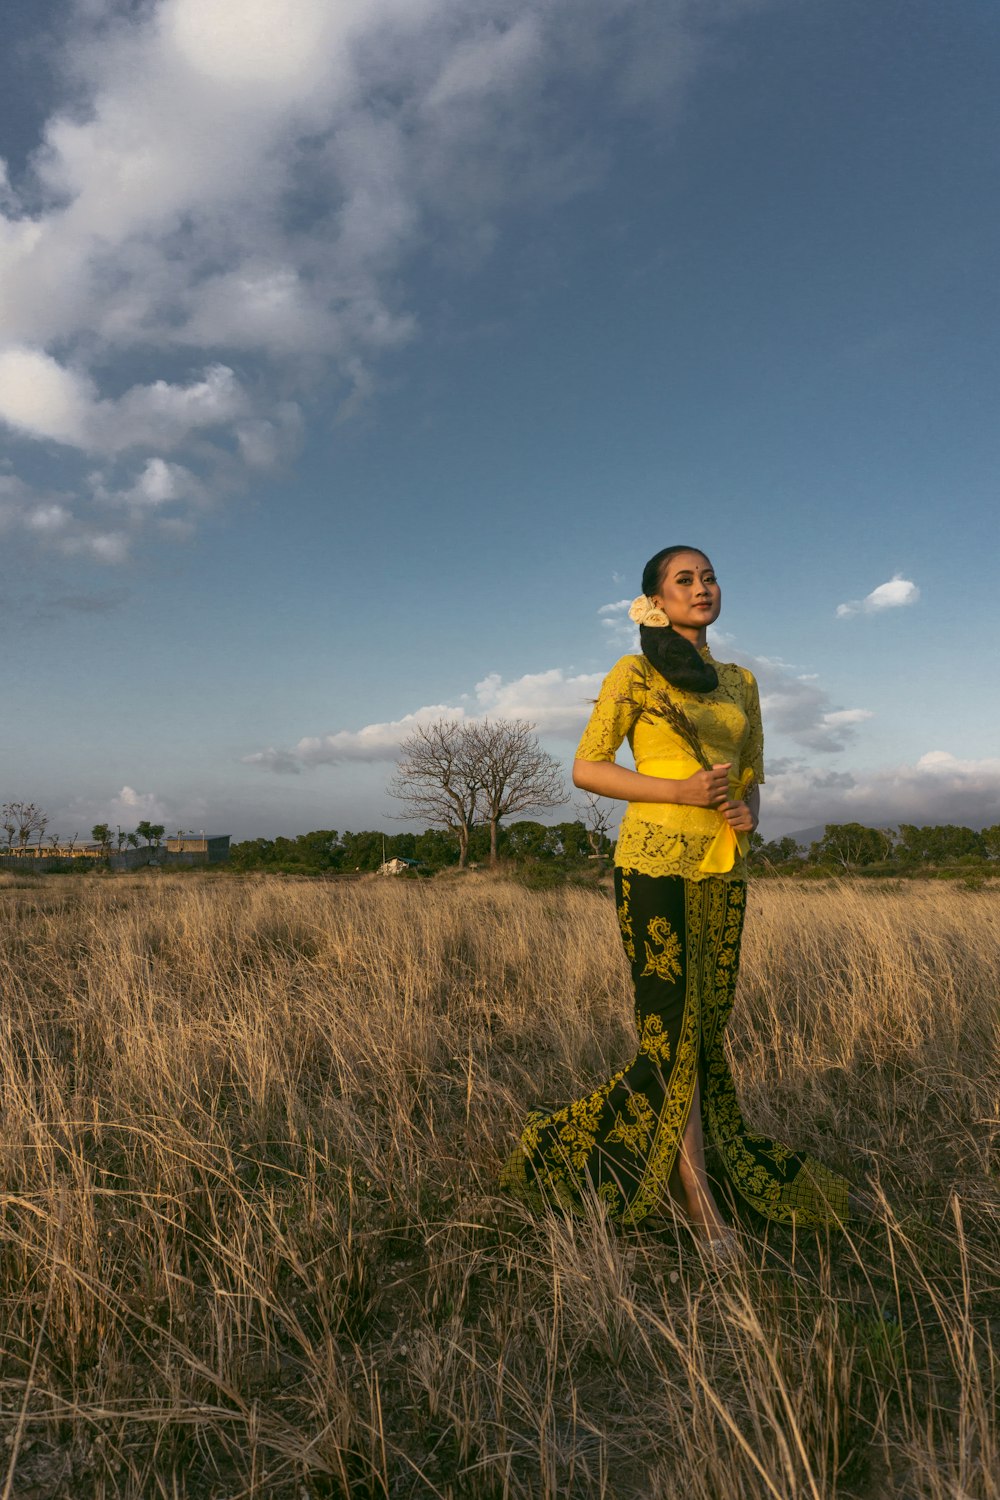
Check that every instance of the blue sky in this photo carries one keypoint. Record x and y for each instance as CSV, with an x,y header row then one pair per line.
x,y
354,357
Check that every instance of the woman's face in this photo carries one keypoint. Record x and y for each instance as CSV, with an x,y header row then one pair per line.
x,y
689,592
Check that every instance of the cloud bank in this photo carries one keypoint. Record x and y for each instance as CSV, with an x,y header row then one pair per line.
x,y
227,198
558,704
937,788
794,704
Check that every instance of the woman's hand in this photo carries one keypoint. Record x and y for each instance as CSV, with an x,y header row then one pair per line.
x,y
706,788
738,816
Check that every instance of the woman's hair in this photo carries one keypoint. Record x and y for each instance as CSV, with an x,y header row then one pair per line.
x,y
652,573
671,654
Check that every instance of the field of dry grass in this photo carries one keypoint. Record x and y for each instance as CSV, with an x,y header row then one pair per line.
x,y
251,1244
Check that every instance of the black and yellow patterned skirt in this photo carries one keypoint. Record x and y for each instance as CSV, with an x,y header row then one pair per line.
x,y
620,1143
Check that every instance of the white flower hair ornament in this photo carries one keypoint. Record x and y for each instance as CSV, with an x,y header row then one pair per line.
x,y
644,612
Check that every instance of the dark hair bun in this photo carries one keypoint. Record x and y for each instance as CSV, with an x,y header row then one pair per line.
x,y
677,660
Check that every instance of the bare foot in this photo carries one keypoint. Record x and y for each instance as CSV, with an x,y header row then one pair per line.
x,y
702,1209
696,1210
711,1226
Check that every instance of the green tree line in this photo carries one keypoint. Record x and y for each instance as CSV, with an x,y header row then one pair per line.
x,y
844,846
327,850
853,846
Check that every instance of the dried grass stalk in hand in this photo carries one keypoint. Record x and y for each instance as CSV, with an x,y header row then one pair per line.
x,y
663,705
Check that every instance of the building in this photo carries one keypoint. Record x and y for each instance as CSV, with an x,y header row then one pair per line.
x,y
203,848
182,849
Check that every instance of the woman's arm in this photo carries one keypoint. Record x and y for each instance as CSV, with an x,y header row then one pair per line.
x,y
703,789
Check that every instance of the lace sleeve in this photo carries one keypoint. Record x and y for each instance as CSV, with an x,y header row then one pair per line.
x,y
618,705
753,750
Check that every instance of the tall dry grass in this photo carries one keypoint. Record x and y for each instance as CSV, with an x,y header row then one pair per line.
x,y
251,1244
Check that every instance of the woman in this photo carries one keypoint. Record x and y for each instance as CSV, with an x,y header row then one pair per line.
x,y
694,728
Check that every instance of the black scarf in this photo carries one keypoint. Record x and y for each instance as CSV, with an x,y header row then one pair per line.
x,y
677,660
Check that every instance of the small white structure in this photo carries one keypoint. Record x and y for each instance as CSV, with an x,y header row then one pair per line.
x,y
397,866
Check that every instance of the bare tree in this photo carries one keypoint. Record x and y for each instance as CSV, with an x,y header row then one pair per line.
x,y
20,821
437,778
597,815
516,774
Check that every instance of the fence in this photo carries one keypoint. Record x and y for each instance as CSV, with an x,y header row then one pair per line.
x,y
124,859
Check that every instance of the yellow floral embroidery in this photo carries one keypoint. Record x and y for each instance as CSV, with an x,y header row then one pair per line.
x,y
673,1117
667,962
797,1187
579,1133
635,1134
625,921
611,1198
653,1040
560,1159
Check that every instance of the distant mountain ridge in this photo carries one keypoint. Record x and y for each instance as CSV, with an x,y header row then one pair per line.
x,y
807,836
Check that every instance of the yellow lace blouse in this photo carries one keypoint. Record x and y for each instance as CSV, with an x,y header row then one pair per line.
x,y
661,838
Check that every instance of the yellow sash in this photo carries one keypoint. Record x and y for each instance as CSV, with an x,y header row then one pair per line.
x,y
720,856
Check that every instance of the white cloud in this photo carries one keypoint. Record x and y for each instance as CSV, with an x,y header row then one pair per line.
x,y
557,704
621,631
793,704
841,716
158,483
554,702
373,742
131,807
228,196
122,810
41,398
897,592
938,788
262,45
47,518
53,518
